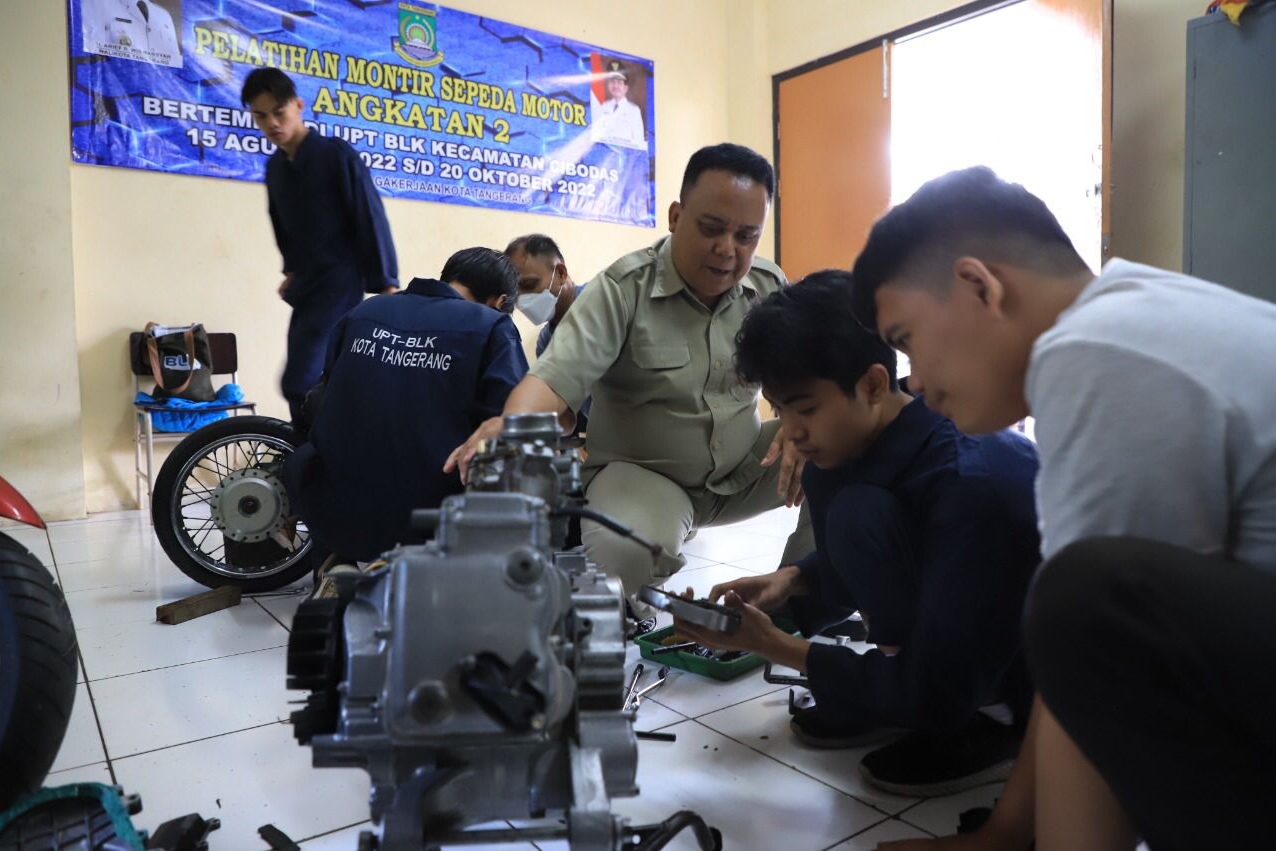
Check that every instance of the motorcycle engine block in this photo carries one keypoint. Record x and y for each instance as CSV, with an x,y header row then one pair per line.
x,y
480,676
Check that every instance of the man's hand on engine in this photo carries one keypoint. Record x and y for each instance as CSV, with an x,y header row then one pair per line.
x,y
463,454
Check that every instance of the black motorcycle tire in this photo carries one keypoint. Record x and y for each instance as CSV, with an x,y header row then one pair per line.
x,y
167,510
38,664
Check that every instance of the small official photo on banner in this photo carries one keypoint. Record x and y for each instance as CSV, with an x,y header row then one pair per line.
x,y
441,105
137,30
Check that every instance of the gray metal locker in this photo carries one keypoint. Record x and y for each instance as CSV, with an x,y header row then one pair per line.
x,y
1229,228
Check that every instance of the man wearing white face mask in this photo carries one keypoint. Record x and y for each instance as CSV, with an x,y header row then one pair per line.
x,y
545,292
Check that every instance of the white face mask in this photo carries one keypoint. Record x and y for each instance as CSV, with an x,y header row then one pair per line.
x,y
539,307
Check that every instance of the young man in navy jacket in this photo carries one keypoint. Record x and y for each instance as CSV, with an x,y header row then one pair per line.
x,y
931,535
409,376
329,224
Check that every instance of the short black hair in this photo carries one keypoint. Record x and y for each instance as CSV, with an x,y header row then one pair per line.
x,y
806,332
535,245
267,80
486,272
971,211
736,159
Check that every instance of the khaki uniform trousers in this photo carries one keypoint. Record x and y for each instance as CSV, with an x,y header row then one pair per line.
x,y
660,510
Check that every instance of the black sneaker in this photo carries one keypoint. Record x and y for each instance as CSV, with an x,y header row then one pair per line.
x,y
818,730
925,764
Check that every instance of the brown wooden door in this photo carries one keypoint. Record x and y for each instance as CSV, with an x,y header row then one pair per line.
x,y
834,162
834,138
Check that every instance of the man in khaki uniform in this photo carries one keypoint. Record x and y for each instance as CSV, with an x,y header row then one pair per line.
x,y
675,441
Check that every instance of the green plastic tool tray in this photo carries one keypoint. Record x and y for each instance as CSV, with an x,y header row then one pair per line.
x,y
695,664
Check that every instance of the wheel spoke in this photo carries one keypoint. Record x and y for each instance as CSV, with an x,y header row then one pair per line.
x,y
202,537
203,491
204,528
202,478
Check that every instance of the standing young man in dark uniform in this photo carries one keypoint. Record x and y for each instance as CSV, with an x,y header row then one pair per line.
x,y
408,377
329,225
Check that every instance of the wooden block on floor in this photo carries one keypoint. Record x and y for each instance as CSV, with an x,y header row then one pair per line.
x,y
199,605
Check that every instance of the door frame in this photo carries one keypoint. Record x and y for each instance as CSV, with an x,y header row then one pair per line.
x,y
968,10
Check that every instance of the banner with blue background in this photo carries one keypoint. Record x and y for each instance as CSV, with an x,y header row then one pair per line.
x,y
441,105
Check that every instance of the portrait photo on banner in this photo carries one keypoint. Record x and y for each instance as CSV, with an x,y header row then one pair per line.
x,y
618,101
140,30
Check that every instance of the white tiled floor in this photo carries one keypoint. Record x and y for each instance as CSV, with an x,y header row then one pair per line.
x,y
193,717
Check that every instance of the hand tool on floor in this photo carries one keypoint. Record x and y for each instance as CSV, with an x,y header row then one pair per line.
x,y
661,676
633,684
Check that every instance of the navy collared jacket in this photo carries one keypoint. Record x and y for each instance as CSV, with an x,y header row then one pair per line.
x,y
969,538
409,377
329,222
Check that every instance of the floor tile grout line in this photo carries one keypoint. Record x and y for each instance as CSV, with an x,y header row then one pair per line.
x,y
97,720
52,775
79,658
915,826
185,664
914,806
100,517
681,718
720,708
273,616
57,573
331,832
842,792
778,761
275,723
872,826
896,817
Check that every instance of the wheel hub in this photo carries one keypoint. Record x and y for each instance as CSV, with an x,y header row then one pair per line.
x,y
249,505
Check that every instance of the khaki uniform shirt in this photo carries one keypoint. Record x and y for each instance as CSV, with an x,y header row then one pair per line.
x,y
661,369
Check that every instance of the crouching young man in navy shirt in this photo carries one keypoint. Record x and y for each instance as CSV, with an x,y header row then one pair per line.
x,y
930,534
409,376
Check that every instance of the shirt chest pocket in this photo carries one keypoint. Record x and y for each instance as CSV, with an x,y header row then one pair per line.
x,y
659,373
649,357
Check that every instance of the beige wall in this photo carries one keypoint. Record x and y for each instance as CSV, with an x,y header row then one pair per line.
x,y
799,32
89,254
40,433
748,101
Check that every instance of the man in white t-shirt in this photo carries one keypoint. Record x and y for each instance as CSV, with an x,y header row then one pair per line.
x,y
1148,629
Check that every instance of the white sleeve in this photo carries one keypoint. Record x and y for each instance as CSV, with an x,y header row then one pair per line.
x,y
1129,446
633,130
92,24
172,40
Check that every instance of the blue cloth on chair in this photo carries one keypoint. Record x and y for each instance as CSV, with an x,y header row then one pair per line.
x,y
173,414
